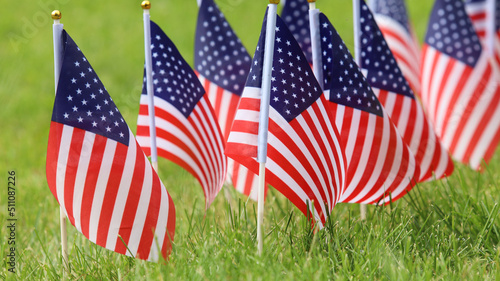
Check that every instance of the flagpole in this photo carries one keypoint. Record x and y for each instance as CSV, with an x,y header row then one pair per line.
x,y
264,115
146,5
315,42
490,26
57,29
357,58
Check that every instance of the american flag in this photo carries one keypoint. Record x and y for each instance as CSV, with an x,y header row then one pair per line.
x,y
305,161
478,13
392,19
97,171
394,93
295,14
459,87
222,64
186,127
380,166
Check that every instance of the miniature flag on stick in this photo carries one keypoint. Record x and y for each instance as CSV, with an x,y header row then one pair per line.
x,y
397,98
459,85
296,17
222,64
380,166
97,171
186,127
393,21
304,159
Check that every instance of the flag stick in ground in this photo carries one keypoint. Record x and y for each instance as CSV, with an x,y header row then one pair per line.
x,y
357,58
57,29
315,41
264,114
146,5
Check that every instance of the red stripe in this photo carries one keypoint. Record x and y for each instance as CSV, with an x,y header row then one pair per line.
x,y
71,170
91,181
467,112
455,96
231,112
53,147
166,249
112,186
148,232
450,65
249,104
132,202
480,129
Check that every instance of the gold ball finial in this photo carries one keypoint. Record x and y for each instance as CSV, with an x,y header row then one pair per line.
x,y
56,15
146,5
274,2
311,1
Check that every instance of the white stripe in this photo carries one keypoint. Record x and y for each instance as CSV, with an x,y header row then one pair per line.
x,y
247,115
283,149
161,224
404,114
141,213
486,138
450,83
242,138
426,78
122,193
448,93
226,98
474,119
81,175
292,184
62,163
463,101
431,141
100,190
404,183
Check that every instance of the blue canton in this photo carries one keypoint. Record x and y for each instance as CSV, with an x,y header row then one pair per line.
x,y
342,76
293,85
451,32
295,13
395,9
173,79
219,54
376,57
82,101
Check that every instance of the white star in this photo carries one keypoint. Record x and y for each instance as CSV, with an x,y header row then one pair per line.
x,y
121,135
108,129
92,96
103,118
106,101
78,91
116,124
84,102
94,124
66,115
70,98
77,64
89,113
73,80
75,109
98,107
82,74
80,119
87,85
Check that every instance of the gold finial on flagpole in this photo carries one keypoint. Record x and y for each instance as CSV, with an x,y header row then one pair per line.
x,y
311,1
146,5
274,1
56,15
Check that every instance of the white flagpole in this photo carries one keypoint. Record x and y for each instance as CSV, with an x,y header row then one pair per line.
x,y
146,5
357,58
57,30
490,26
315,42
264,114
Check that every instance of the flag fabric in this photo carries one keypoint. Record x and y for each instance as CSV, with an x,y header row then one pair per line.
x,y
305,161
295,14
222,64
98,172
380,166
186,127
392,19
459,87
394,93
477,11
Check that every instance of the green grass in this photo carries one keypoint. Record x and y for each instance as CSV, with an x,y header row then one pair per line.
x,y
446,230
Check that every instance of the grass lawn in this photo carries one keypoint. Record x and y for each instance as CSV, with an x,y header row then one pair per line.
x,y
444,230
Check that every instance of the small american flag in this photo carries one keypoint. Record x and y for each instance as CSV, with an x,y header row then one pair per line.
x,y
392,18
305,161
380,165
393,91
295,14
187,130
459,86
478,13
222,64
97,171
